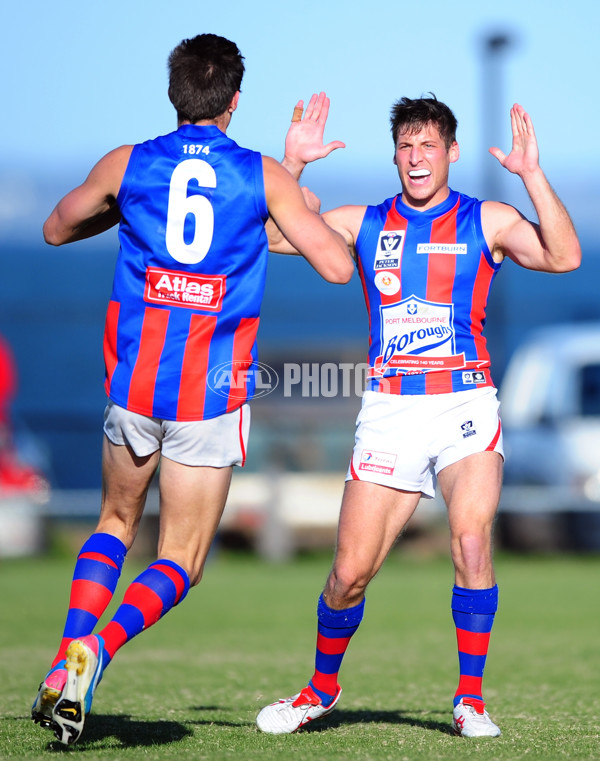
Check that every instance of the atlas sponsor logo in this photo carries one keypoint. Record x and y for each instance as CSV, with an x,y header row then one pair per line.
x,y
184,289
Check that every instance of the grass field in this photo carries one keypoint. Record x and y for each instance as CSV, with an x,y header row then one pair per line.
x,y
191,686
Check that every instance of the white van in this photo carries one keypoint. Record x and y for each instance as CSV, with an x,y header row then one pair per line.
x,y
550,413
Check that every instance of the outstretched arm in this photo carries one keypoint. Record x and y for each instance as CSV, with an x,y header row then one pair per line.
x,y
90,208
303,229
550,246
304,139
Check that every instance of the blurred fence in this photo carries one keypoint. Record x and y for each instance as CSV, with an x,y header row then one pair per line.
x,y
278,514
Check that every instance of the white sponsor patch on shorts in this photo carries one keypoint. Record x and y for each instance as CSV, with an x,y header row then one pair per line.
x,y
377,462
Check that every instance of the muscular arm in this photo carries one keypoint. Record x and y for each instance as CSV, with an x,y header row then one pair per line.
x,y
90,208
550,246
303,229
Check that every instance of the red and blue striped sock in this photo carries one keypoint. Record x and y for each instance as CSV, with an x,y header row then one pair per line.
x,y
95,579
152,594
335,630
473,611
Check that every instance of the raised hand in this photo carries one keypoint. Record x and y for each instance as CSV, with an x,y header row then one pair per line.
x,y
304,140
524,155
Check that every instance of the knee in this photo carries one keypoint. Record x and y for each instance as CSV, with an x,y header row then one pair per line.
x,y
345,587
471,551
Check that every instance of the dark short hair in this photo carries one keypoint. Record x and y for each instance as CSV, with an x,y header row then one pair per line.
x,y
205,72
410,115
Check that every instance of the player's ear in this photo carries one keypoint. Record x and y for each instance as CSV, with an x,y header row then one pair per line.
x,y
234,102
454,152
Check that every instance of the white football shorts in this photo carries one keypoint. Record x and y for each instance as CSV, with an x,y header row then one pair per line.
x,y
217,443
404,441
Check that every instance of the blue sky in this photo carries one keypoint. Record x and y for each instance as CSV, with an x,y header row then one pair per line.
x,y
80,78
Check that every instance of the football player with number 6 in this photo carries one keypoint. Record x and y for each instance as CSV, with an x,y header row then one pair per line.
x,y
183,316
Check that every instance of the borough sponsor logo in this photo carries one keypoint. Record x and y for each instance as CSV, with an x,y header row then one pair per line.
x,y
418,335
184,289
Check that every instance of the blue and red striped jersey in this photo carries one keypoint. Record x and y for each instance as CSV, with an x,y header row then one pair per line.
x,y
180,335
426,277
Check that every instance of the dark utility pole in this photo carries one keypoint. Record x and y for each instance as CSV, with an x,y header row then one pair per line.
x,y
496,132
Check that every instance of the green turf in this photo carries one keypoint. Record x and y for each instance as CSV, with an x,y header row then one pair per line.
x,y
191,686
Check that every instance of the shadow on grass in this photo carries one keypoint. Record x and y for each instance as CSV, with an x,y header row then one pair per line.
x,y
126,733
132,734
342,717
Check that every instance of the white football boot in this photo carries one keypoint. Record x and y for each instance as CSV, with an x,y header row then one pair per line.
x,y
85,664
289,714
470,719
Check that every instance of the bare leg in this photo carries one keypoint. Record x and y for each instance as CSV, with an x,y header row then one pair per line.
x,y
371,519
192,500
126,479
471,490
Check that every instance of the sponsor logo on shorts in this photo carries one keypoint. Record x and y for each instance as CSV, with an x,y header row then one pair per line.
x,y
184,289
441,248
387,282
377,462
468,429
474,377
389,249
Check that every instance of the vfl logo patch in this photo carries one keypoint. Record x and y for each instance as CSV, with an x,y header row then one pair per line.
x,y
473,377
183,289
389,249
467,429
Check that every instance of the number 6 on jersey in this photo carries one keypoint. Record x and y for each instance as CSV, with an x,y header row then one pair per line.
x,y
181,205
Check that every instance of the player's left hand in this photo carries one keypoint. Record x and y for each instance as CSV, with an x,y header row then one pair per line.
x,y
524,155
304,140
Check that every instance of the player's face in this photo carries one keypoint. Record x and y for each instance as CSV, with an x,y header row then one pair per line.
x,y
423,163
